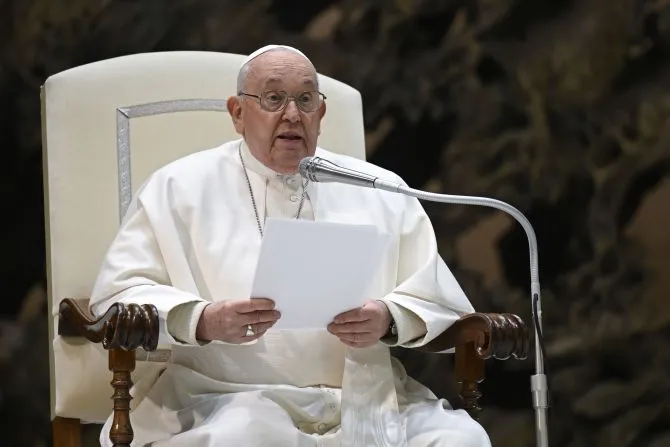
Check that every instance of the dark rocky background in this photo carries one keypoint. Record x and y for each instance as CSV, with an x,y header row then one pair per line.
x,y
559,107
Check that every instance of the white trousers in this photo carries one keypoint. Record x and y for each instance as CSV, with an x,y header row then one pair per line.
x,y
178,414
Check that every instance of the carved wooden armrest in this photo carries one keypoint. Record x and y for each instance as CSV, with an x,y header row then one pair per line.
x,y
477,337
126,327
121,330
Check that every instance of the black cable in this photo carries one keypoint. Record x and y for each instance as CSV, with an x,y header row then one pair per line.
x,y
540,338
538,329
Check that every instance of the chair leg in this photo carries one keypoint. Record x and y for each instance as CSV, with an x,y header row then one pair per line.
x,y
469,372
122,364
66,432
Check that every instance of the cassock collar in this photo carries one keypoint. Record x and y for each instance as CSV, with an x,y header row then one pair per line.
x,y
254,165
258,168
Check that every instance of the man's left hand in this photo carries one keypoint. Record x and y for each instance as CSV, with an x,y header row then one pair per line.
x,y
362,327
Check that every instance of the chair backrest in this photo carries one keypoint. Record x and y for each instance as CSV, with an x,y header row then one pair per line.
x,y
106,127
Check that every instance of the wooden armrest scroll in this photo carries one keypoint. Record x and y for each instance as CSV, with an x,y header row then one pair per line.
x,y
124,327
121,330
500,336
477,337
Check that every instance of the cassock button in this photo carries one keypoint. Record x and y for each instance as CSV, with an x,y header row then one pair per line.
x,y
294,198
292,182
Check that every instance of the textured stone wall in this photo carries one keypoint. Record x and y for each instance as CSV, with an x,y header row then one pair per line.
x,y
558,107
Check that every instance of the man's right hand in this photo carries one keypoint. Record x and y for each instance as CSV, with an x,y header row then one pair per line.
x,y
227,321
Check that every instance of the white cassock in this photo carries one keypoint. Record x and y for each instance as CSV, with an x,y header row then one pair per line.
x,y
191,237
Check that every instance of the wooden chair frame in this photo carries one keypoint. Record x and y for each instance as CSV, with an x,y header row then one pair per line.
x,y
122,329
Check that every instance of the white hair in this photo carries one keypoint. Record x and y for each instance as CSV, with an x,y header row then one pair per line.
x,y
246,65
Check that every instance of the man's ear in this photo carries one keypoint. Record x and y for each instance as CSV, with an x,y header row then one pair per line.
x,y
234,105
322,112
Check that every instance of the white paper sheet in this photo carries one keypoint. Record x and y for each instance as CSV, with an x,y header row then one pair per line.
x,y
316,270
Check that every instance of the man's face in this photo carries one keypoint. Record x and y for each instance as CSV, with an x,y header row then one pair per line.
x,y
282,138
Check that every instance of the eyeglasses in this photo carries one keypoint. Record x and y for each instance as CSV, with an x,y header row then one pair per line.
x,y
273,101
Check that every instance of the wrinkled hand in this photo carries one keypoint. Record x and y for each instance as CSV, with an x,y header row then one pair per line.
x,y
227,320
362,327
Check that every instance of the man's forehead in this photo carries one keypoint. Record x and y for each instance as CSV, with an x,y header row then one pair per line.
x,y
267,72
306,80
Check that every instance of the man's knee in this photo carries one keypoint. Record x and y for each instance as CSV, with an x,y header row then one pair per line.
x,y
472,435
248,432
476,435
469,434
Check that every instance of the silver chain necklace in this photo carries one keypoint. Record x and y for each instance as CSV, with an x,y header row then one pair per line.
x,y
253,199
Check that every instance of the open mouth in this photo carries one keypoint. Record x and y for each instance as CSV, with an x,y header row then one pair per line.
x,y
289,136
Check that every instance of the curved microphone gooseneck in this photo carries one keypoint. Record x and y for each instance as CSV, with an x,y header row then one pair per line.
x,y
317,169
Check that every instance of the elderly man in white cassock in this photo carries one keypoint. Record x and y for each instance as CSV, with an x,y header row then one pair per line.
x,y
189,244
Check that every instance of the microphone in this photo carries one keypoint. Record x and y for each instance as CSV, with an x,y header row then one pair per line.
x,y
317,169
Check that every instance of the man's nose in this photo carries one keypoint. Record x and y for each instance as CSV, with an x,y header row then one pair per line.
x,y
291,112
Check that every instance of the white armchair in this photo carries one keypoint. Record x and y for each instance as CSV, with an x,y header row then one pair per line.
x,y
106,127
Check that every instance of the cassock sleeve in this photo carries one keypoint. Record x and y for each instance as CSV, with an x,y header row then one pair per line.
x,y
427,298
134,271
